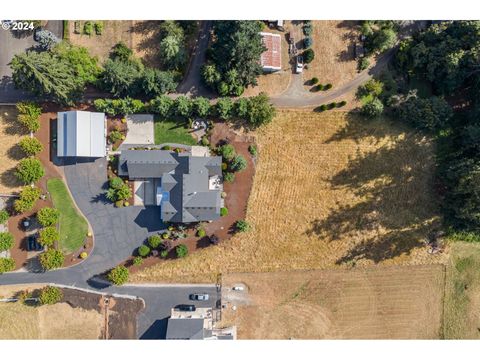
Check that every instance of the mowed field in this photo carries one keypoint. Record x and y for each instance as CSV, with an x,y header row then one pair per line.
x,y
399,302
59,321
331,190
10,134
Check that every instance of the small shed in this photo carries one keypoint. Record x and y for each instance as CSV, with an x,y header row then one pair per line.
x,y
81,134
271,58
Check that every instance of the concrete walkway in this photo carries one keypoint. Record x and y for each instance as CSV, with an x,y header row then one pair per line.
x,y
140,130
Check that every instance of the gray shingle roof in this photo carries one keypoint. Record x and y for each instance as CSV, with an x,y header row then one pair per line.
x,y
186,329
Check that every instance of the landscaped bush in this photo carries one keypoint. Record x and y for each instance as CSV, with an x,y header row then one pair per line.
x,y
242,226
48,236
223,211
224,108
88,28
181,250
164,254
307,29
143,250
6,241
124,192
308,56
314,81
4,216
28,197
154,241
137,260
115,136
331,106
252,149
238,163
204,141
241,107
6,264
50,295
183,106
51,259
307,42
119,275
166,147
201,106
227,151
229,177
201,232
29,114
162,105
30,146
327,87
341,103
116,182
98,27
29,170
48,216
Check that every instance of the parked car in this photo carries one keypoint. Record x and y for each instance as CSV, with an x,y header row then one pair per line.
x,y
299,65
199,297
238,288
185,307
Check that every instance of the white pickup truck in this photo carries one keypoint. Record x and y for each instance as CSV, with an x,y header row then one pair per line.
x,y
299,65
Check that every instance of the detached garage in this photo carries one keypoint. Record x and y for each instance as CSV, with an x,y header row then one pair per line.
x,y
81,134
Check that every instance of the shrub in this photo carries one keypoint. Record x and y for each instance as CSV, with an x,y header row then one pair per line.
x,y
88,28
341,103
98,27
201,106
4,216
6,241
238,163
314,81
50,295
51,259
143,250
121,52
48,236
46,39
307,42
363,64
331,105
30,146
227,151
115,136
307,29
223,211
327,87
308,56
116,183
48,216
201,232
260,110
181,250
28,197
137,260
154,241
372,109
229,177
322,107
124,192
83,255
241,107
214,240
119,275
164,254
183,106
165,235
205,141
224,108
242,226
166,147
119,203
29,114
29,170
6,264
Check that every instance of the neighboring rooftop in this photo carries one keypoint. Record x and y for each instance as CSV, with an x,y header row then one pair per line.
x,y
187,329
81,134
271,59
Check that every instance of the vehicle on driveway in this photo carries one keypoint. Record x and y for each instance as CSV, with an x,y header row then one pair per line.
x,y
185,307
299,65
199,297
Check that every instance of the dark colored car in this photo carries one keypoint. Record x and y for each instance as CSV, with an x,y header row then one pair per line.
x,y
185,307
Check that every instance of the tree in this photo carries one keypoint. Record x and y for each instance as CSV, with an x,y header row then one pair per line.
x,y
229,177
6,241
372,87
382,39
155,82
238,163
46,75
48,236
242,226
50,295
6,264
46,39
210,75
4,216
29,170
308,56
161,105
143,250
154,241
85,66
181,250
241,107
30,146
227,151
431,114
260,111
116,182
173,51
372,109
121,78
183,106
51,259
119,275
28,196
121,52
48,216
29,114
201,106
224,108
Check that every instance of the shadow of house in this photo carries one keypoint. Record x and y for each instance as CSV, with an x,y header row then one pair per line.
x,y
394,185
150,219
158,330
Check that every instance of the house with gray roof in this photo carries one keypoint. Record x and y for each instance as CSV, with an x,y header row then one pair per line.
x,y
187,188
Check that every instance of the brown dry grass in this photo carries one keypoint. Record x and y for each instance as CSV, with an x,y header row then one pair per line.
x,y
378,303
10,134
59,321
333,45
330,190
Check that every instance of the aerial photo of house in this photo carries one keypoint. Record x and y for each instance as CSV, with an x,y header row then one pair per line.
x,y
239,179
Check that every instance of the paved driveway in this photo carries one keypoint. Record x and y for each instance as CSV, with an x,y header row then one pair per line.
x,y
140,130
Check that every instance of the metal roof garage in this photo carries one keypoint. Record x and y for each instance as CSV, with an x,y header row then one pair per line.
x,y
81,134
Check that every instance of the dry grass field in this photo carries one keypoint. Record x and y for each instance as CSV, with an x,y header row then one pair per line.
x,y
59,321
334,61
399,302
10,134
462,293
331,190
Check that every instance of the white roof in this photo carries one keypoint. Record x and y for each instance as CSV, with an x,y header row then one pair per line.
x,y
81,134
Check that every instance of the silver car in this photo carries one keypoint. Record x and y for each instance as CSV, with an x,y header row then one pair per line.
x,y
199,297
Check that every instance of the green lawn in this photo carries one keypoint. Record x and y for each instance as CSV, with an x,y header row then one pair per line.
x,y
171,131
73,227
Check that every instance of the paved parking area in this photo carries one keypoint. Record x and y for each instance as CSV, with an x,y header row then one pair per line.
x,y
140,130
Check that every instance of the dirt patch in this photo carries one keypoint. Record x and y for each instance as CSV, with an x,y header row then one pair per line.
x,y
379,303
330,190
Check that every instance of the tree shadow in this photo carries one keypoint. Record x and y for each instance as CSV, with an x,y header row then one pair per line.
x,y
393,205
150,43
15,152
9,179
